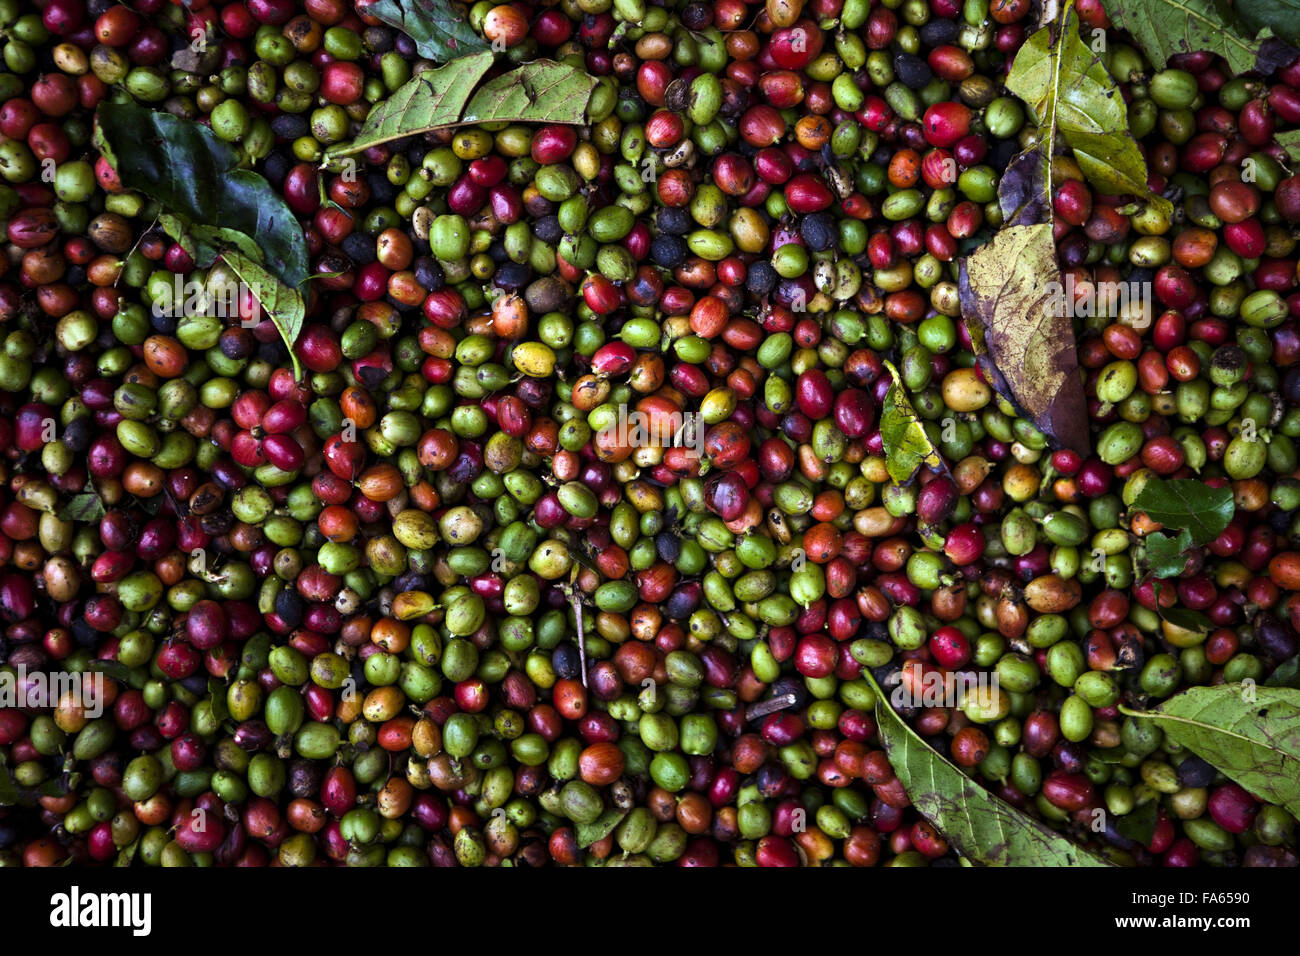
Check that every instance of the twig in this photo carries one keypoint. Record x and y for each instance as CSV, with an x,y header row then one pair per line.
x,y
575,599
139,240
582,642
780,702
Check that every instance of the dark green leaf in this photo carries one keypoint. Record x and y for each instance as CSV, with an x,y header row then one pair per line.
x,y
1166,557
8,792
971,243
1110,755
217,699
57,787
1250,733
1285,674
440,29
603,826
429,100
1068,88
1185,618
582,558
282,303
1165,27
1280,16
196,177
983,829
114,669
1182,617
86,506
1186,503
907,446
1140,825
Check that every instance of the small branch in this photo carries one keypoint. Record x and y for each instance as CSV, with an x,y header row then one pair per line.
x,y
780,702
575,600
582,641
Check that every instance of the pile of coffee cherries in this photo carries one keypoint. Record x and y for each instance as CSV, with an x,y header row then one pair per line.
x,y
576,540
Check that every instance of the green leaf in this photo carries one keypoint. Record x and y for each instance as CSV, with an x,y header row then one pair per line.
x,y
86,506
196,177
1290,141
981,828
1250,733
114,669
1165,27
1166,557
1185,618
179,232
539,92
1280,16
907,446
205,243
1068,88
1013,299
542,91
1285,674
440,29
603,826
219,239
127,854
1187,504
57,787
429,100
282,303
582,558
1140,825
217,699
